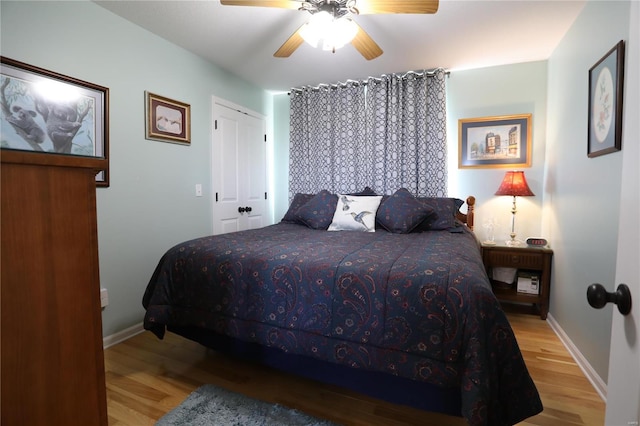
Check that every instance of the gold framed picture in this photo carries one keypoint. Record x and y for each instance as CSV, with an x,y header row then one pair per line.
x,y
494,142
167,120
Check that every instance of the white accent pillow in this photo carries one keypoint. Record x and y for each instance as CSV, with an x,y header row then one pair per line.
x,y
355,213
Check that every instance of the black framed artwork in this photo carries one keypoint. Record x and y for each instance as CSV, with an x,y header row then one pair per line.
x,y
606,85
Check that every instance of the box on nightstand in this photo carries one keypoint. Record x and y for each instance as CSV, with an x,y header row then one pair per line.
x,y
504,277
528,282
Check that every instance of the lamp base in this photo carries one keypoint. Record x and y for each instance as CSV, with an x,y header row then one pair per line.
x,y
513,241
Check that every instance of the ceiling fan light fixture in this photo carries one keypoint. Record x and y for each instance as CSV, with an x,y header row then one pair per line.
x,y
327,32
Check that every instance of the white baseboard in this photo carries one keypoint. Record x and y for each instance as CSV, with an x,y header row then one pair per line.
x,y
599,385
121,336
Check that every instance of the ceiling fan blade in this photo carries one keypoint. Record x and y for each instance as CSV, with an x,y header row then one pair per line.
x,y
365,45
396,6
284,4
289,46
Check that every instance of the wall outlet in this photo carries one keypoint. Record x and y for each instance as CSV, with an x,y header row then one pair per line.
x,y
104,297
198,190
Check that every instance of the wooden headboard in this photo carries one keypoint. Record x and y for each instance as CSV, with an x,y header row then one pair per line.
x,y
468,217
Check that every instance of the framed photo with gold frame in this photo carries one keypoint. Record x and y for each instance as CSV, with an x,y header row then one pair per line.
x,y
167,120
493,142
606,85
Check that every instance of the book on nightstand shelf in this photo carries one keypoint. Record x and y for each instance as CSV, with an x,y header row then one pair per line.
x,y
528,282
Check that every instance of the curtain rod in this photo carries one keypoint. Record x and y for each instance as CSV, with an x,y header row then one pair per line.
x,y
426,73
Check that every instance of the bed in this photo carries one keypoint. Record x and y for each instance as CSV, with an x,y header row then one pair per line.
x,y
403,312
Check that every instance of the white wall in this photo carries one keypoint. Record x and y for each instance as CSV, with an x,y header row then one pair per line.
x,y
151,204
498,91
281,155
582,194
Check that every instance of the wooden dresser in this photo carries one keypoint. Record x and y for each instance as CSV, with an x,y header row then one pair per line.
x,y
52,361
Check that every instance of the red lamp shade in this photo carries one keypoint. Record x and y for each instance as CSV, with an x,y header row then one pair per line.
x,y
514,184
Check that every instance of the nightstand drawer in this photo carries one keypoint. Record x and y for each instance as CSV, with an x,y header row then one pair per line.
x,y
516,259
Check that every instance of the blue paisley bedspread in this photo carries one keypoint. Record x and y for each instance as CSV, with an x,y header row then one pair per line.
x,y
415,305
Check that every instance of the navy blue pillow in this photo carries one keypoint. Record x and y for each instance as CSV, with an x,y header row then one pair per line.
x,y
365,191
317,213
402,212
445,213
299,200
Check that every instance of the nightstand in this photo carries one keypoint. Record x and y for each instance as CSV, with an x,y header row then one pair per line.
x,y
526,259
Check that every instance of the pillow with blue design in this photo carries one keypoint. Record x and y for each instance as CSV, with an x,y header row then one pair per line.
x,y
355,213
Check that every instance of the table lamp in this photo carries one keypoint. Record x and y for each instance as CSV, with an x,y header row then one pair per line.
x,y
515,185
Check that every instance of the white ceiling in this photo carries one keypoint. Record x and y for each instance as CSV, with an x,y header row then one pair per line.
x,y
461,35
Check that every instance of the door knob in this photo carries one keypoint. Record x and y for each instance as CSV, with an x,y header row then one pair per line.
x,y
247,209
598,296
241,209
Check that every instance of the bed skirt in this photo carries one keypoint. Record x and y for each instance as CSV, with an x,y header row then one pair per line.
x,y
393,389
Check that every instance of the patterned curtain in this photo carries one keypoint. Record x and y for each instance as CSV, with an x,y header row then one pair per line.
x,y
327,131
385,133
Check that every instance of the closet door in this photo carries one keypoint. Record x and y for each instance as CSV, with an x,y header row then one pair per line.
x,y
239,170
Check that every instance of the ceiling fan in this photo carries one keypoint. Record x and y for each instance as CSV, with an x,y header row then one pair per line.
x,y
331,25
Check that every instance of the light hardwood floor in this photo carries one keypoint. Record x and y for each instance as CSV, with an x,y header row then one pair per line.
x,y
147,377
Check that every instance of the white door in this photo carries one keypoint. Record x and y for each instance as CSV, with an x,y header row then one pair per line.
x,y
623,386
238,169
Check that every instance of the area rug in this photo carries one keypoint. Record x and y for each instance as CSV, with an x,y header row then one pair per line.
x,y
211,405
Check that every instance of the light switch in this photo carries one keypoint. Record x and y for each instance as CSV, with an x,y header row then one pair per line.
x,y
198,190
